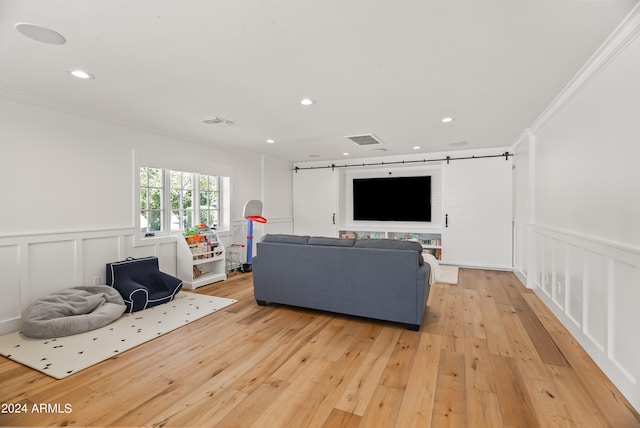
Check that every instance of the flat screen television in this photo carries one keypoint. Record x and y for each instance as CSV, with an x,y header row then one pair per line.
x,y
392,199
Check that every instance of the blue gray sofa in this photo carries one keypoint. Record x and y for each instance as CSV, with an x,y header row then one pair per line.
x,y
383,279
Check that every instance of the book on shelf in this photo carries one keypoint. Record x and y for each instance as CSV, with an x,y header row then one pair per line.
x,y
435,252
204,245
197,273
434,242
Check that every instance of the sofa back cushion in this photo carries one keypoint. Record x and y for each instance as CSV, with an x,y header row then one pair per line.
x,y
391,244
285,239
331,242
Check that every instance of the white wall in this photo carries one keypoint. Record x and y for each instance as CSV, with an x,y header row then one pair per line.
x,y
277,195
67,185
578,208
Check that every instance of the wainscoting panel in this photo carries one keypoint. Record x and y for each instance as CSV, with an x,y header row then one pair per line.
x,y
95,252
279,225
625,296
167,254
575,281
593,288
52,266
522,255
559,273
548,248
595,299
35,265
10,280
131,250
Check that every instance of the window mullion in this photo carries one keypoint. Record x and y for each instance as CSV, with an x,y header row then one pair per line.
x,y
219,200
196,198
166,200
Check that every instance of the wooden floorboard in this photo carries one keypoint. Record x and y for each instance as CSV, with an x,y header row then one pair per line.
x,y
489,354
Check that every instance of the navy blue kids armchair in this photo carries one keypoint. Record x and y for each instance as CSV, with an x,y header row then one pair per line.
x,y
141,284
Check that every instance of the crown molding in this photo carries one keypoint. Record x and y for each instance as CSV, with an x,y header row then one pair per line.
x,y
619,39
523,137
43,102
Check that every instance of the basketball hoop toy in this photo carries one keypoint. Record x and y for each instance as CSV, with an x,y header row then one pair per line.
x,y
253,213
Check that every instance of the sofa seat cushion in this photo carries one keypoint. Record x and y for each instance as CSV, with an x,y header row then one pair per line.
x,y
391,244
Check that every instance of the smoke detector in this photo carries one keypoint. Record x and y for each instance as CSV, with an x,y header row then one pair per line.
x,y
365,139
216,120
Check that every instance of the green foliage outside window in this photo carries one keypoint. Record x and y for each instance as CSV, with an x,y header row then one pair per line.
x,y
151,189
185,190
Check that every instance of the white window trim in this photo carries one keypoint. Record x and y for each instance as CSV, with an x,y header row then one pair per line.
x,y
223,172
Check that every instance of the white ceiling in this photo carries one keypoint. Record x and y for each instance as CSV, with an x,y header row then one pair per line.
x,y
393,69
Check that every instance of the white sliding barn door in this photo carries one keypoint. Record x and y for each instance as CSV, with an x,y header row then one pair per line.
x,y
477,196
315,198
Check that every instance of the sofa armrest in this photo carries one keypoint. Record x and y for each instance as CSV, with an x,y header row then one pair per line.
x,y
134,294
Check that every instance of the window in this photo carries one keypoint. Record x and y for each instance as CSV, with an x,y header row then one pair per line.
x,y
173,201
209,210
181,190
151,198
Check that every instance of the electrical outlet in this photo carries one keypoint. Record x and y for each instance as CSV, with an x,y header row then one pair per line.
x,y
559,288
96,280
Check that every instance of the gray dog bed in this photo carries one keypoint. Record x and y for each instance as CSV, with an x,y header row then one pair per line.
x,y
72,311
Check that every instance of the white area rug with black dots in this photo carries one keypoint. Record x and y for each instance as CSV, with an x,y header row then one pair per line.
x,y
64,356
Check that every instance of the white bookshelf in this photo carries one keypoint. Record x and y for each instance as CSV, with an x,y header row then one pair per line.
x,y
198,266
431,241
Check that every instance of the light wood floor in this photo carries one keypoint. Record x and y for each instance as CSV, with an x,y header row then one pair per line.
x,y
489,354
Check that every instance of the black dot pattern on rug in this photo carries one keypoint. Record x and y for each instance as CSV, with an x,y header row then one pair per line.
x,y
60,357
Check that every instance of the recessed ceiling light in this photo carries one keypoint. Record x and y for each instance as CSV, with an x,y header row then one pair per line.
x,y
81,74
307,102
458,143
345,154
416,147
271,141
39,33
379,149
447,119
314,156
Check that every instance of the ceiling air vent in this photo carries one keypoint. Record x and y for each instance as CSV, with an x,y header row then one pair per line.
x,y
216,121
365,140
